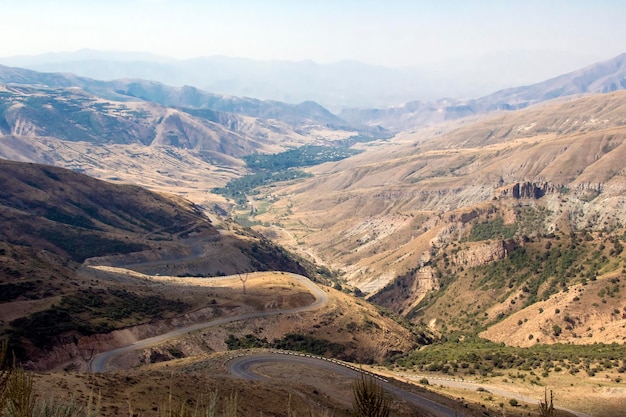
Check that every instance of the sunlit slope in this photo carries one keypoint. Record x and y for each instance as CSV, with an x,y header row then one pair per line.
x,y
377,214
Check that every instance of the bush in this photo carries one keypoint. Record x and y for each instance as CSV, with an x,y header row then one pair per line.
x,y
496,229
16,389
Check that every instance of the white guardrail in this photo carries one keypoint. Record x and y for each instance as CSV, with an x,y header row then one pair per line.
x,y
308,355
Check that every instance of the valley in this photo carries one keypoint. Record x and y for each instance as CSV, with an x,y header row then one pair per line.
x,y
152,234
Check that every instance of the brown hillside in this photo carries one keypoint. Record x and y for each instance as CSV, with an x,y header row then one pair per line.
x,y
80,217
183,150
585,314
52,220
378,214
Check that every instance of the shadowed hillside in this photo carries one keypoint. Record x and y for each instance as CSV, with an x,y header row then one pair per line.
x,y
79,217
54,219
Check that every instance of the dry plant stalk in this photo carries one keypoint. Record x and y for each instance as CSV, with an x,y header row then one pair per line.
x,y
546,407
370,398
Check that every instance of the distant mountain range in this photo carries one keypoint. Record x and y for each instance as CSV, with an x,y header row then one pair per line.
x,y
75,108
145,132
335,85
602,77
218,130
191,97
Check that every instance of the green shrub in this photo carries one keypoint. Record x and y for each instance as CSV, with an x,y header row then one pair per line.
x,y
495,229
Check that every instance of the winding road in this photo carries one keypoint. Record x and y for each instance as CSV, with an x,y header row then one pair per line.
x,y
100,362
240,367
470,385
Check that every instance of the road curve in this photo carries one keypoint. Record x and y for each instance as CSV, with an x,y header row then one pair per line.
x,y
240,367
100,362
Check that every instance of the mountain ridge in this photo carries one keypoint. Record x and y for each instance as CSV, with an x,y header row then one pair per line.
x,y
185,96
370,209
602,77
71,127
336,85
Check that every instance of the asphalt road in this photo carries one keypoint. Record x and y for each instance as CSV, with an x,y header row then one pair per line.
x,y
101,361
240,367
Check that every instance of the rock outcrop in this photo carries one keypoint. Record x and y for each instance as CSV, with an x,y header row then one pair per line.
x,y
407,290
531,190
482,253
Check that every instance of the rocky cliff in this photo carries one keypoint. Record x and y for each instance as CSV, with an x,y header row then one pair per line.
x,y
482,253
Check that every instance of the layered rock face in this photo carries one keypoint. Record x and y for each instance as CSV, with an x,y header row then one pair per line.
x,y
482,254
406,291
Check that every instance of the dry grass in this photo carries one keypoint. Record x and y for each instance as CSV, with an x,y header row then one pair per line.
x,y
365,334
597,396
157,392
167,385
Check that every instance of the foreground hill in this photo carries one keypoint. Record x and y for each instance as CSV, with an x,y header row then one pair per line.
x,y
53,220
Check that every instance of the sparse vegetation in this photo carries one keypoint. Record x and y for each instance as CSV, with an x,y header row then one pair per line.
x,y
533,270
546,407
370,398
292,341
80,245
495,229
303,156
90,312
475,356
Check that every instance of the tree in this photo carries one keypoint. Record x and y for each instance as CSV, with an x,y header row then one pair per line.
x,y
243,279
370,398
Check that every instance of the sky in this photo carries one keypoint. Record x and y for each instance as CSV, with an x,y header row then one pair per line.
x,y
391,33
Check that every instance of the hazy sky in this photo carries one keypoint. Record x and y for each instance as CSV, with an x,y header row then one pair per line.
x,y
389,32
